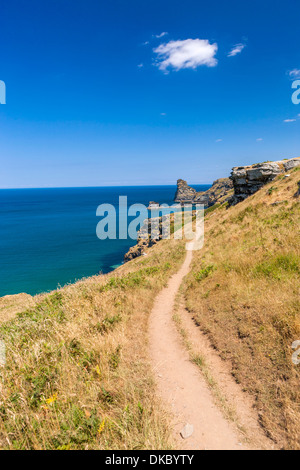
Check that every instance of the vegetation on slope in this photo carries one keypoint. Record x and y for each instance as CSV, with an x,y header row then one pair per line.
x,y
243,291
77,373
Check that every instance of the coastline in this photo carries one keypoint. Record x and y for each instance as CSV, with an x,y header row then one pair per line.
x,y
48,236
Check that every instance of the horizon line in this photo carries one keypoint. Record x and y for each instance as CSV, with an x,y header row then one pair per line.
x,y
105,186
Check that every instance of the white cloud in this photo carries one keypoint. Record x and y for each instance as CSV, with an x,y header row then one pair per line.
x,y
259,140
140,66
294,73
161,35
219,140
290,120
186,54
237,49
163,114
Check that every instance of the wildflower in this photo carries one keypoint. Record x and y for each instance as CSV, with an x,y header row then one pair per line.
x,y
52,399
97,369
101,427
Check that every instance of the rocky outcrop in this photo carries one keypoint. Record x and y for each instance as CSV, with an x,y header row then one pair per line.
x,y
247,180
139,249
290,164
220,191
184,192
298,192
149,235
243,182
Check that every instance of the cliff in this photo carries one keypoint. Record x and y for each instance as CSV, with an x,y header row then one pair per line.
x,y
184,192
150,234
144,240
220,192
242,183
247,180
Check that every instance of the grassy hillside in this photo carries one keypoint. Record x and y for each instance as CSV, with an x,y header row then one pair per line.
x,y
77,373
243,291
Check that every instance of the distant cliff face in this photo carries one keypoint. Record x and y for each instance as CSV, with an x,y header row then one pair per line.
x,y
150,234
243,182
184,192
220,191
249,179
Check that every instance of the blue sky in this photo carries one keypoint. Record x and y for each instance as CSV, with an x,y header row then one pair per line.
x,y
98,95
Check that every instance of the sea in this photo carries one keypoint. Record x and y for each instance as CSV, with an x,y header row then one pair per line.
x,y
48,236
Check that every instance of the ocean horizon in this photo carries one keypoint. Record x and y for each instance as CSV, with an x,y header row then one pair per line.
x,y
48,235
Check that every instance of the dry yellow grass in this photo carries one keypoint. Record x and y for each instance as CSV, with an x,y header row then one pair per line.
x,y
243,291
77,373
12,304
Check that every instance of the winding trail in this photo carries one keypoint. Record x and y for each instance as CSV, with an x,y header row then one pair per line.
x,y
181,385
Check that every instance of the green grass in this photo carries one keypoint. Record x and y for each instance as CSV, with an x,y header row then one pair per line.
x,y
279,266
204,273
211,209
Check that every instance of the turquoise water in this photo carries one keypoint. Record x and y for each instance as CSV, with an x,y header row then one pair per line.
x,y
48,236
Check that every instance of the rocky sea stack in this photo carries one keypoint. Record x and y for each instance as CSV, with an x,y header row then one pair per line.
x,y
221,191
184,192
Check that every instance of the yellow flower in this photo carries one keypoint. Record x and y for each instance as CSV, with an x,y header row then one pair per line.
x,y
52,399
101,427
97,369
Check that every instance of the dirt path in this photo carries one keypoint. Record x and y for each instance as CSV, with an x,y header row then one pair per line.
x,y
183,388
